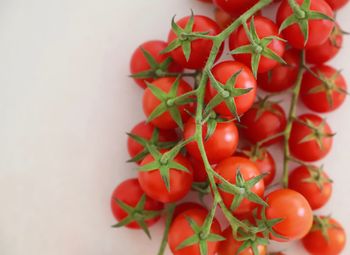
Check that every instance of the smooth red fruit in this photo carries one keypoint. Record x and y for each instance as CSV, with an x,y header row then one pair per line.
x,y
223,18
245,80
235,7
337,4
199,172
181,208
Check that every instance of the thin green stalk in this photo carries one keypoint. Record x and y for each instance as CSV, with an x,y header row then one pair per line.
x,y
170,212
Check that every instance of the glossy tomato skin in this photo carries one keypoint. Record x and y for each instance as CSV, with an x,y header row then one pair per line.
x,y
326,51
220,145
319,102
199,172
316,244
223,18
337,4
153,184
264,28
138,62
309,151
180,230
150,102
228,169
319,30
270,122
181,208
295,211
235,7
130,192
200,48
281,77
316,196
222,72
230,246
145,130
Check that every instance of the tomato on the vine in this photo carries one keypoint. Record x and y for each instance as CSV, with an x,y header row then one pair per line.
x,y
311,138
281,77
181,208
337,4
129,194
199,172
324,89
235,7
220,145
223,72
189,224
293,210
313,183
161,62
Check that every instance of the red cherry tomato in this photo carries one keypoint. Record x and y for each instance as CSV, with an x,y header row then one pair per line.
x,y
264,28
245,80
313,184
200,48
323,96
228,169
331,242
221,144
181,208
295,211
263,120
282,76
235,7
319,30
313,148
151,102
181,230
139,63
223,18
199,172
154,186
130,193
337,4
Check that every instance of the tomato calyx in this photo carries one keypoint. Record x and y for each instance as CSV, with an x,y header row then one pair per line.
x,y
255,152
323,224
301,16
136,214
336,31
226,93
265,226
317,177
212,119
257,47
265,105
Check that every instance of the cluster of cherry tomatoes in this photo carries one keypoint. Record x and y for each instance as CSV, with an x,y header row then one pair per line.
x,y
237,128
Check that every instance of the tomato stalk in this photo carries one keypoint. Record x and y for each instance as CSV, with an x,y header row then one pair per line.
x,y
169,217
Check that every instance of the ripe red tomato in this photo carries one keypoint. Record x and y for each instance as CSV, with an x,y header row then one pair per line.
x,y
223,18
263,120
330,242
153,184
282,76
146,131
199,172
200,48
230,246
245,80
313,184
263,160
181,208
228,169
181,230
319,30
151,102
130,193
328,50
307,144
221,144
235,7
323,96
264,28
295,211
337,4
139,63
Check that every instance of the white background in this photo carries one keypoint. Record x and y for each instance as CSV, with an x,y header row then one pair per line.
x,y
65,105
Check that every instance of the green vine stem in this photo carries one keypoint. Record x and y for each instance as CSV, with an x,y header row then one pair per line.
x,y
169,217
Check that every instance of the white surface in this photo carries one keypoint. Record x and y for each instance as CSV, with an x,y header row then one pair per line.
x,y
65,104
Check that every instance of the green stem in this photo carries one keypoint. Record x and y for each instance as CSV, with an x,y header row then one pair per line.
x,y
170,212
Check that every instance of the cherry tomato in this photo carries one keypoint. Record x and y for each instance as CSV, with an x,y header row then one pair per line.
x,y
228,169
310,144
282,76
151,102
324,95
139,63
245,80
264,28
221,144
319,30
154,186
200,48
223,18
295,211
263,120
146,131
337,4
329,242
181,230
313,184
328,50
230,246
130,193
235,7
199,172
181,208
